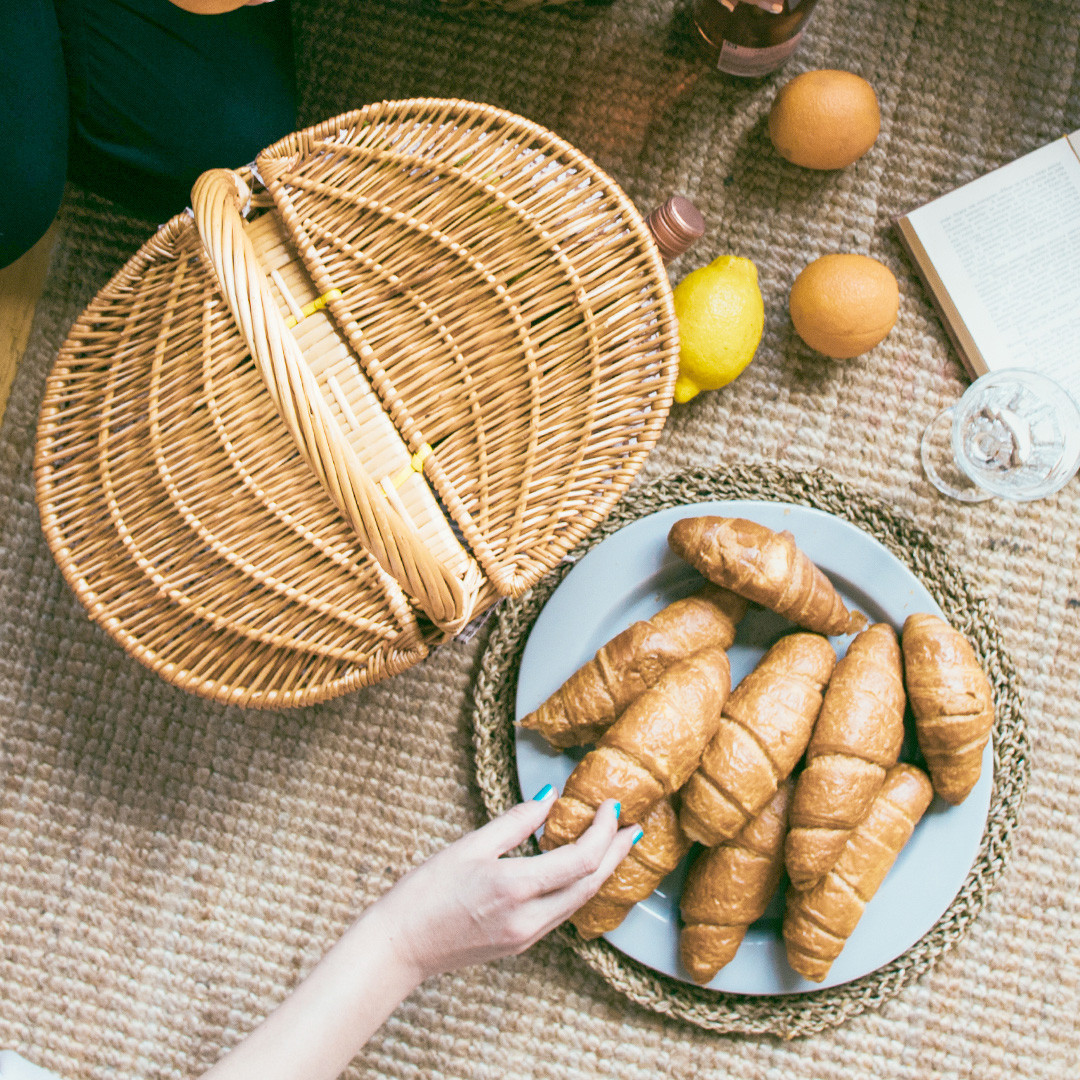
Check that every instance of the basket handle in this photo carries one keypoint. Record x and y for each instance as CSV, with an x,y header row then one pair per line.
x,y
394,542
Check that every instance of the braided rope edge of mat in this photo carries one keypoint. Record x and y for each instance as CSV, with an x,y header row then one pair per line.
x,y
786,1016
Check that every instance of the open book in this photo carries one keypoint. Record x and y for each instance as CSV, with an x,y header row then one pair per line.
x,y
1001,258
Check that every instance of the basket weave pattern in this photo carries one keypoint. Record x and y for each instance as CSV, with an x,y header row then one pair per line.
x,y
802,1014
391,374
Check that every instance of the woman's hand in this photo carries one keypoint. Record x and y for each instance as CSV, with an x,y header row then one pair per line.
x,y
466,904
463,906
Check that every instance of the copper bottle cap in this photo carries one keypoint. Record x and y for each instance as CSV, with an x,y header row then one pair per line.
x,y
675,226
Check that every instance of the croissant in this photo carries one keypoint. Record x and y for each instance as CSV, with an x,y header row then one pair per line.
x,y
729,887
651,859
765,567
763,732
952,702
856,739
589,702
819,921
649,751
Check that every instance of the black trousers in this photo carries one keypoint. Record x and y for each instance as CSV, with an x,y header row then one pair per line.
x,y
132,99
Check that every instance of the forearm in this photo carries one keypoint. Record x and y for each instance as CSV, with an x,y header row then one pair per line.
x,y
465,905
208,7
322,1025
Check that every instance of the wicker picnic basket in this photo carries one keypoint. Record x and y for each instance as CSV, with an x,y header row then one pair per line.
x,y
364,388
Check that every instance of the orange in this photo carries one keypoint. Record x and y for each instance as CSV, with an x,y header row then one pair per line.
x,y
824,119
844,305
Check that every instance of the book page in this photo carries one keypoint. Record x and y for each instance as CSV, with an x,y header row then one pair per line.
x,y
1007,249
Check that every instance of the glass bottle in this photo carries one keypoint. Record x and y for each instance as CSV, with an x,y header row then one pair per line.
x,y
751,38
675,226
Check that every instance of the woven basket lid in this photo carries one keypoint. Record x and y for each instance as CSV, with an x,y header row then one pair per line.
x,y
389,374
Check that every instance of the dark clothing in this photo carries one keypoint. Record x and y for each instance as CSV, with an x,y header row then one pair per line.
x,y
132,99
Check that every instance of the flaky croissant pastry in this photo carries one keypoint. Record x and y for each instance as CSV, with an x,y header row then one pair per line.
x,y
819,921
649,751
590,701
729,887
651,859
952,702
856,739
765,567
763,732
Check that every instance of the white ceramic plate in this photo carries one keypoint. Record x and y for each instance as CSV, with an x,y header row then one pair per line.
x,y
630,576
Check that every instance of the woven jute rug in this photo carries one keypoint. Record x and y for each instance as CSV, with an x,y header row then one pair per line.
x,y
169,868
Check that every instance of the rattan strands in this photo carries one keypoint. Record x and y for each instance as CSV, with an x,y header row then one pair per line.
x,y
228,569
393,539
312,429
507,304
798,1014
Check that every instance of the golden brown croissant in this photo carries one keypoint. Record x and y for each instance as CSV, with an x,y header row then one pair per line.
x,y
819,921
651,859
649,751
590,701
856,739
952,702
729,887
765,567
763,732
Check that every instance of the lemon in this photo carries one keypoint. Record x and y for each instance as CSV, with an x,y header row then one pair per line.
x,y
721,317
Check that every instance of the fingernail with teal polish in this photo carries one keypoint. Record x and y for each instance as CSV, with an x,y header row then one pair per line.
x,y
543,793
638,835
618,809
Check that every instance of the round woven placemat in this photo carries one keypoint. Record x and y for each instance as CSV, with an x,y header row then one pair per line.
x,y
784,1015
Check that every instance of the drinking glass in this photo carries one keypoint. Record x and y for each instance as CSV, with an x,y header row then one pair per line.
x,y
1014,434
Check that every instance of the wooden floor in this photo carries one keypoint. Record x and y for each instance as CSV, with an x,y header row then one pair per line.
x,y
20,288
